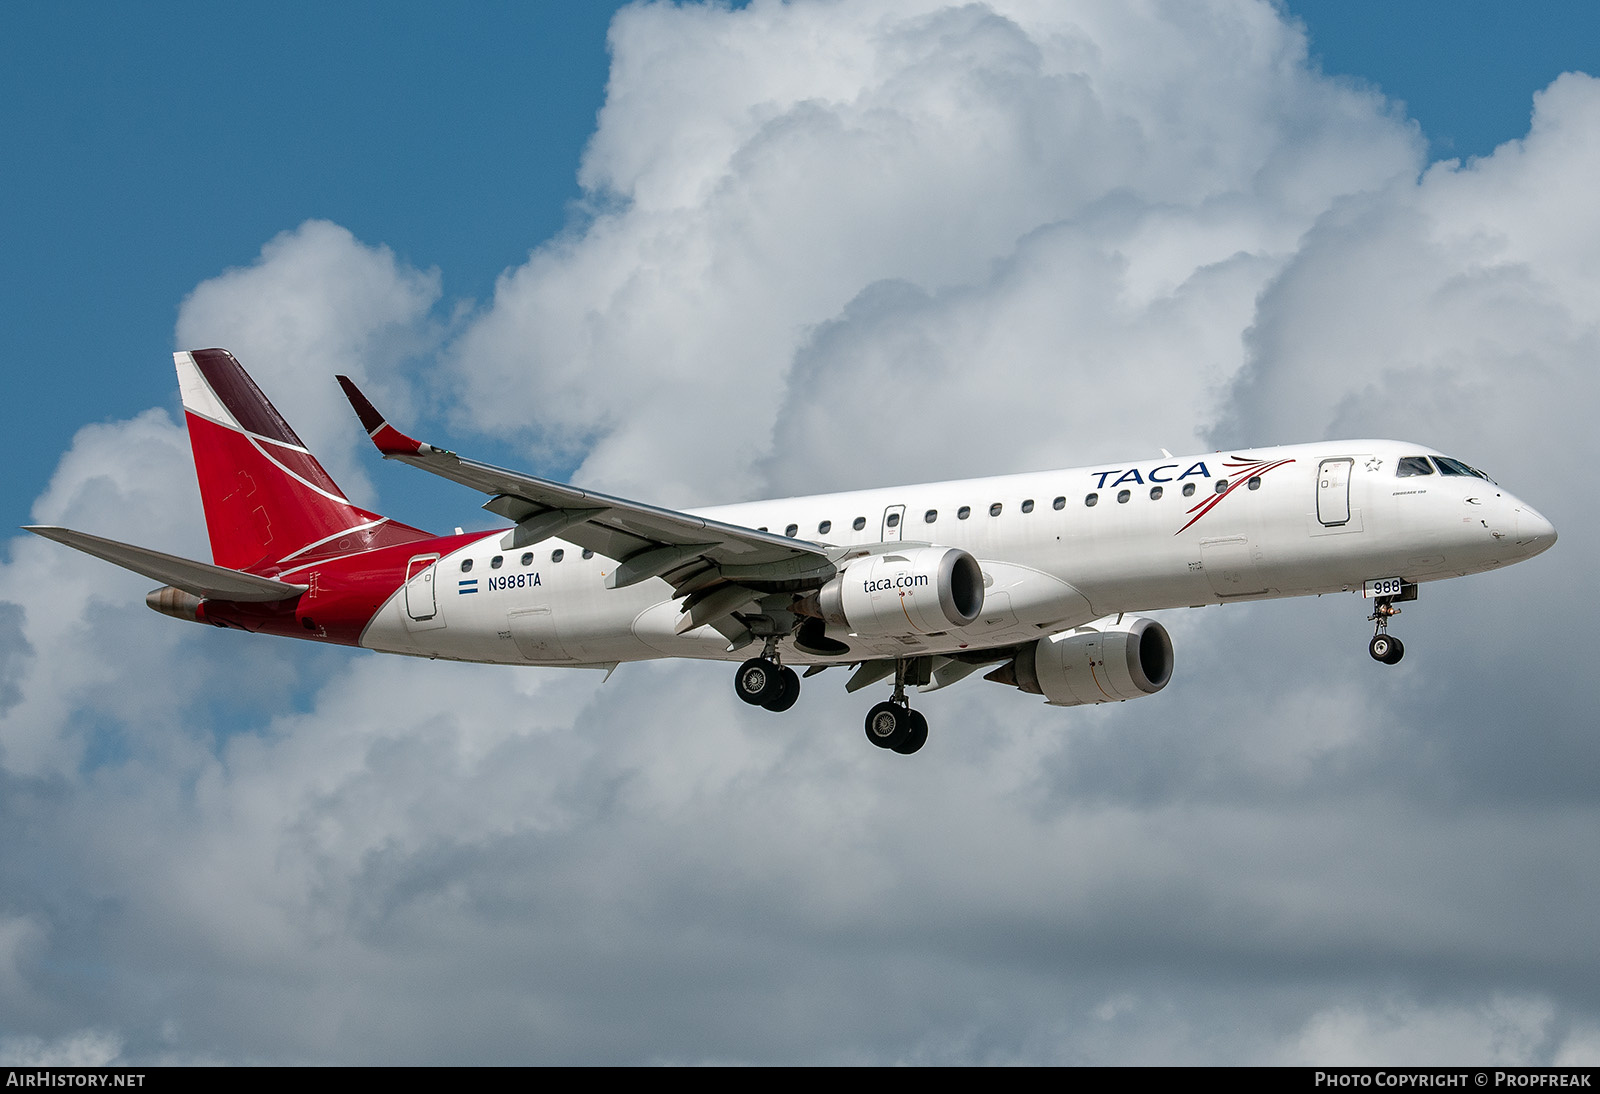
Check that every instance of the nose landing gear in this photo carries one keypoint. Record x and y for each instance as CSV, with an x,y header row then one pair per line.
x,y
1384,646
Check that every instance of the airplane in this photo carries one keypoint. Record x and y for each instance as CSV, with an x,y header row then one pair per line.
x,y
1036,577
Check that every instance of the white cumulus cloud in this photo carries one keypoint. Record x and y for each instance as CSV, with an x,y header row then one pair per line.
x,y
316,303
869,228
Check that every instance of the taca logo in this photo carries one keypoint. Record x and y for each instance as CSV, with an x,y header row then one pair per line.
x,y
1153,475
1244,472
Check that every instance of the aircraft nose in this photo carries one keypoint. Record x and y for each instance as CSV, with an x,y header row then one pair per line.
x,y
1534,532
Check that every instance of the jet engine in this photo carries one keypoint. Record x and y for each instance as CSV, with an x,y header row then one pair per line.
x,y
921,590
1101,662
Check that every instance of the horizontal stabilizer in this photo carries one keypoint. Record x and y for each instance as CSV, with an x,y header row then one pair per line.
x,y
200,578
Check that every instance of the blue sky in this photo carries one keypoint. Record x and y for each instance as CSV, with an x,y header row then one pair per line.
x,y
1053,241
152,147
1464,71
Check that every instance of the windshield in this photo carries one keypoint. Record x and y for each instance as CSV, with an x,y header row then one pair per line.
x,y
1447,466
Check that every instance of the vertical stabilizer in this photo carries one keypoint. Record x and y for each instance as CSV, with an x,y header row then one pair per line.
x,y
269,504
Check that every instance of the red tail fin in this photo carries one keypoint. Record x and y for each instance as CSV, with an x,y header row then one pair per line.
x,y
269,504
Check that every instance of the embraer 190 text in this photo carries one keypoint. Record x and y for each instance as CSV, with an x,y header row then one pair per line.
x,y
1034,577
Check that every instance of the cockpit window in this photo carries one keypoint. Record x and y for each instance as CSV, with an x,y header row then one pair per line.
x,y
1413,465
1448,466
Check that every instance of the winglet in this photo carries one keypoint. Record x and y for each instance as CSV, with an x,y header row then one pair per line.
x,y
390,441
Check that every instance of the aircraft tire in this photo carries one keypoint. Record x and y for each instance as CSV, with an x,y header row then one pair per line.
x,y
757,682
1385,648
788,692
888,725
917,737
1397,650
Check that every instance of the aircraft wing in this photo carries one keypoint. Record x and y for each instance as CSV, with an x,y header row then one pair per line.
x,y
200,578
693,554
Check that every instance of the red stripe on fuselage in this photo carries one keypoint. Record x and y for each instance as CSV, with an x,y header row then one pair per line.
x,y
1255,467
344,594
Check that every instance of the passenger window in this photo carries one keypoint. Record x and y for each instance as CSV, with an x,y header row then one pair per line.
x,y
825,527
1092,500
1222,486
1059,503
1254,483
494,563
791,531
527,558
859,523
1188,489
588,553
964,512
994,510
930,516
893,521
557,555
1027,506
1123,496
1155,493
466,565
1412,465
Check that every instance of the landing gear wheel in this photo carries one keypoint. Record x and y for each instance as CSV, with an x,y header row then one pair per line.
x,y
917,737
889,725
759,681
1386,648
788,692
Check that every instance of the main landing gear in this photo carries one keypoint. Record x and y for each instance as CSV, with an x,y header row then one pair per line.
x,y
763,682
897,727
1384,646
893,724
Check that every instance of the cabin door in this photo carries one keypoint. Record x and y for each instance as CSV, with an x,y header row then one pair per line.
x,y
1333,491
421,603
422,599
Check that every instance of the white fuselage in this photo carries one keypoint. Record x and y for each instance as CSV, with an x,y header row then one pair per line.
x,y
1057,549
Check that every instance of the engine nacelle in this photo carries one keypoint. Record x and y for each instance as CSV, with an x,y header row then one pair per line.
x,y
921,590
1100,662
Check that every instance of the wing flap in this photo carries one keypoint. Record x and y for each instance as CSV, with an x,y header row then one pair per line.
x,y
200,578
